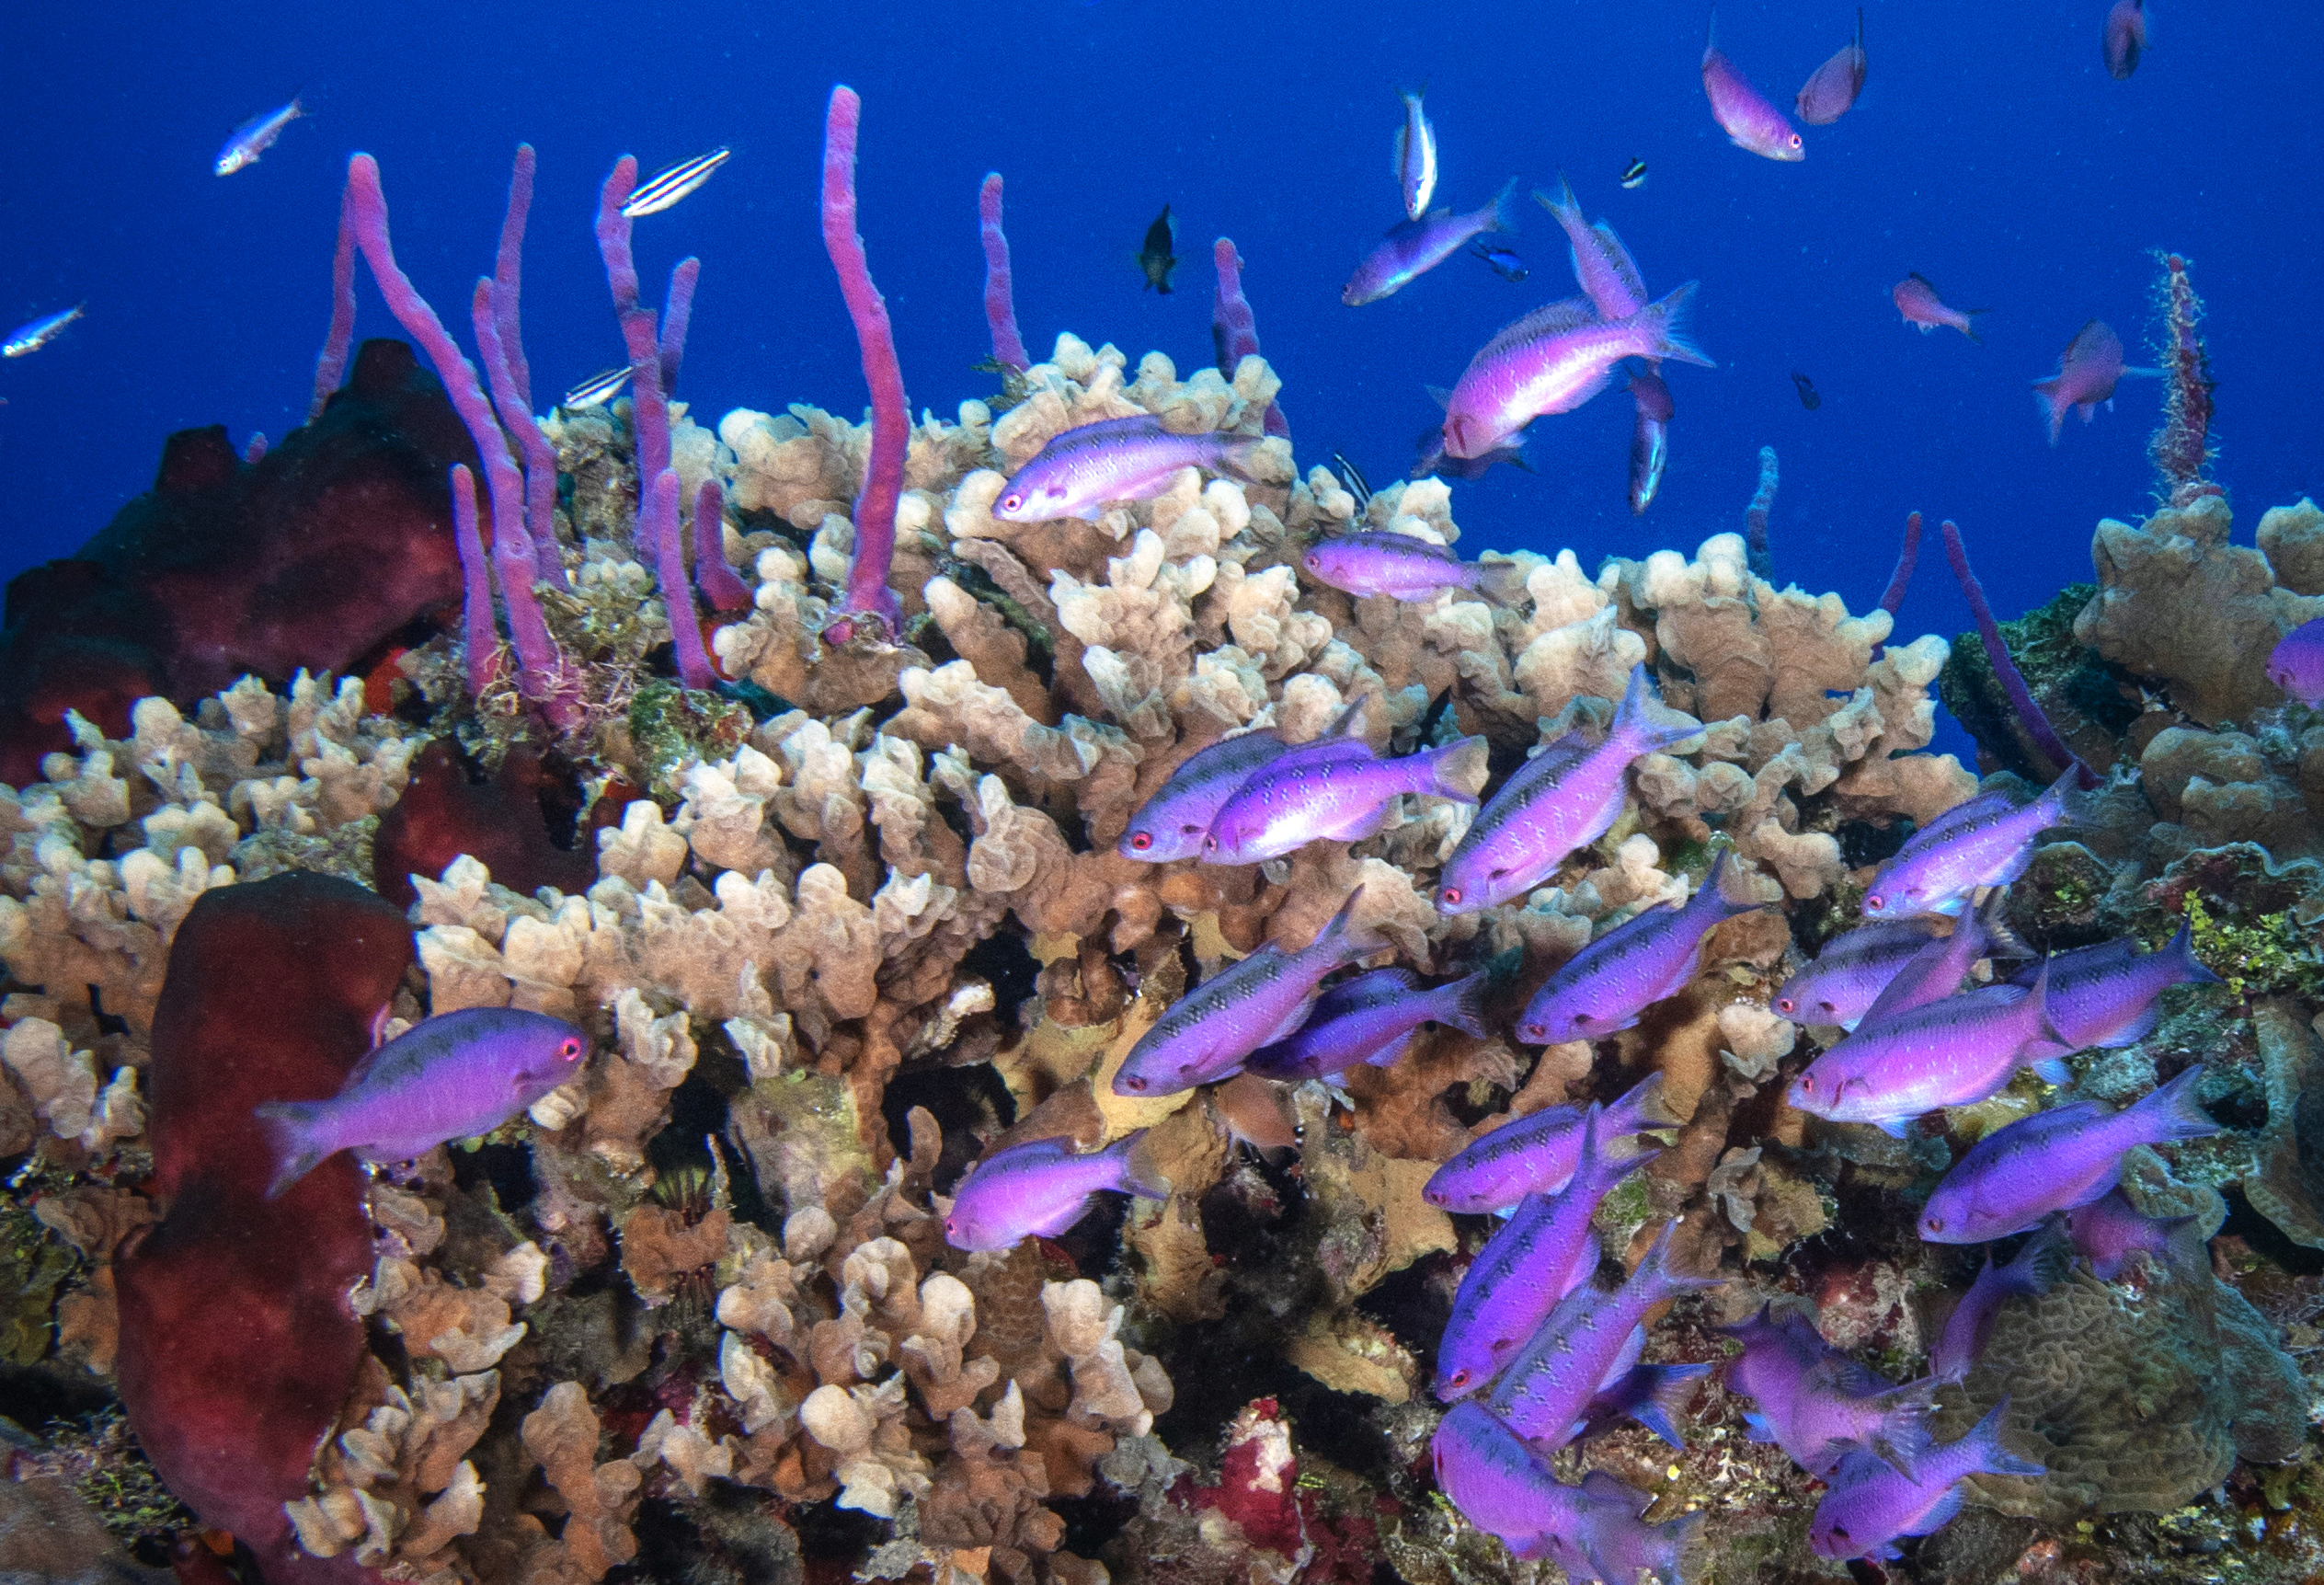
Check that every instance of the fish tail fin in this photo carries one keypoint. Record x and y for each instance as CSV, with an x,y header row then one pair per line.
x,y
2001,939
1654,1276
1711,896
1500,216
1670,1389
2185,945
1466,1010
1640,1108
1236,453
1667,321
1992,1457
2173,1113
1459,770
1338,936
1681,1550
2043,1263
1349,722
1902,1434
292,1131
1134,1171
1969,318
1503,583
1565,206
2047,397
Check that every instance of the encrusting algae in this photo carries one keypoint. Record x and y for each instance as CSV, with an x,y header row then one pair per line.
x,y
858,917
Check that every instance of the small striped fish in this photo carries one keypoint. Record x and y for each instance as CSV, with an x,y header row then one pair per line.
x,y
597,390
665,189
39,333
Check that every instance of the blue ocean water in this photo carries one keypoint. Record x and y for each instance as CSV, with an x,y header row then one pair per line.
x,y
1990,151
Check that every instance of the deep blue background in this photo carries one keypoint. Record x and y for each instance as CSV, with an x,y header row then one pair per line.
x,y
1990,151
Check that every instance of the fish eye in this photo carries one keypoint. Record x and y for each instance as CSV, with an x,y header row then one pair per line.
x,y
1142,840
1013,501
1211,844
952,1224
1537,1034
1875,903
1459,1378
1452,894
1807,1084
570,1048
1135,1084
1786,1004
1934,1224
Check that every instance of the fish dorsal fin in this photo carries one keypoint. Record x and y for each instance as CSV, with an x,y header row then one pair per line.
x,y
1566,314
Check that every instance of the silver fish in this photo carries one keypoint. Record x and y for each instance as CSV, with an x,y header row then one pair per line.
x,y
39,333
254,137
1415,158
597,390
664,189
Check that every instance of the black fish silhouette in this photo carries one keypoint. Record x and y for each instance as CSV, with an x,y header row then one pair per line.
x,y
1808,398
1156,258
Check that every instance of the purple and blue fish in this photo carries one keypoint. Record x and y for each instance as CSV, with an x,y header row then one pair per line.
x,y
1542,1253
1872,1503
1336,790
1040,1189
453,1076
1639,962
1536,1154
1564,797
1851,971
2109,1230
1371,1021
1603,268
2110,995
1649,439
1414,247
1083,471
1815,1403
1983,843
1593,1531
1171,824
1584,1347
1205,1034
2296,664
1553,360
1950,1053
1936,970
1371,562
2055,1160
2036,1269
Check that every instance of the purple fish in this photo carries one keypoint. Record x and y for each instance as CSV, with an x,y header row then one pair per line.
x,y
1936,970
2296,664
1614,1545
1372,562
1172,823
1553,360
1500,1485
1040,1189
1080,471
2126,38
1370,1019
1741,111
1815,1403
1603,268
2039,1265
1950,1053
1536,1154
1640,961
1205,1034
1542,1253
1413,248
1333,795
2109,1230
1851,971
1832,86
1872,1503
1545,1393
452,1077
2088,371
1649,439
1937,868
1564,797
2110,995
2066,1157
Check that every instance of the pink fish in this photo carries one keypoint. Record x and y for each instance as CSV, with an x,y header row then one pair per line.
x,y
1917,300
1832,86
2126,38
2087,374
1741,111
1603,268
1553,360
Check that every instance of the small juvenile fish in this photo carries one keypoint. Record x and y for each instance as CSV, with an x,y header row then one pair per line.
x,y
1743,112
1851,971
1353,481
2054,1160
1254,1112
1205,1034
1565,798
1603,268
1640,961
1504,261
2126,38
1340,794
1536,1154
1815,1403
1414,247
1649,439
254,137
1416,157
1158,255
1368,562
1553,360
1040,1189
1809,398
2088,371
1544,1394
1081,470
2294,665
1937,868
35,334
1872,1504
682,180
1634,174
452,1077
2038,1266
2110,995
1371,1020
1916,298
2109,1230
1937,969
1832,88
1949,1053
597,390
1172,822
1542,1253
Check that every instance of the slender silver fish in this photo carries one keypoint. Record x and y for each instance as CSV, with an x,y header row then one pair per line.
x,y
664,189
597,390
33,336
254,137
1416,157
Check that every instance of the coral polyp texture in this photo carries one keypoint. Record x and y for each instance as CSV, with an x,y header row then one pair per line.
x,y
858,914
